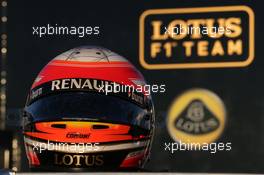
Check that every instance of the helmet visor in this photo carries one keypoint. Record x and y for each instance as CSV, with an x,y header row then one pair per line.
x,y
88,106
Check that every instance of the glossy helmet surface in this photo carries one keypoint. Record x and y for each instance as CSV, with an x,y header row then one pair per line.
x,y
81,114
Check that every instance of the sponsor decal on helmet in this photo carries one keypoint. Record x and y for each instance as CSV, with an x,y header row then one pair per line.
x,y
198,115
87,85
77,135
78,160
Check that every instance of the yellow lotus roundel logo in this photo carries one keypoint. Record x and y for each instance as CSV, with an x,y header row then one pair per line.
x,y
196,116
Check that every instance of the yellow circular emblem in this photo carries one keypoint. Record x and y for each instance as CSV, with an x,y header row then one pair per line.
x,y
196,116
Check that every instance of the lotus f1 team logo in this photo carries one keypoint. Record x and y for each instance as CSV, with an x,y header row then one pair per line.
x,y
204,37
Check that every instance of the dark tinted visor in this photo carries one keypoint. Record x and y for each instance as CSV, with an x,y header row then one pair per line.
x,y
88,106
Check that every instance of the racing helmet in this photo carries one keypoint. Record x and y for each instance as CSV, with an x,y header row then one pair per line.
x,y
85,112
